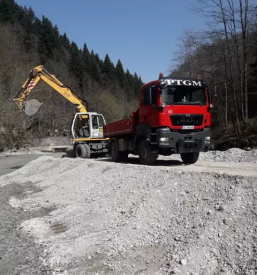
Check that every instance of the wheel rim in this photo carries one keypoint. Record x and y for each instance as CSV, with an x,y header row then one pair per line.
x,y
143,152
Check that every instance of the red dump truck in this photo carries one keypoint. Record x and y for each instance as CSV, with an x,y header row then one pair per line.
x,y
173,117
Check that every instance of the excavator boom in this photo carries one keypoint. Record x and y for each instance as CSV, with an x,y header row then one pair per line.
x,y
31,107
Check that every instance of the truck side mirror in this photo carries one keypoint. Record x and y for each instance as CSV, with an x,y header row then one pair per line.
x,y
162,83
211,107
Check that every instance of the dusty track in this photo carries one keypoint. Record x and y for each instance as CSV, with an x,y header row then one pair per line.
x,y
231,168
205,166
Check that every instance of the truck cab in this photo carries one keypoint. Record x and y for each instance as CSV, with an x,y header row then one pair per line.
x,y
176,112
173,117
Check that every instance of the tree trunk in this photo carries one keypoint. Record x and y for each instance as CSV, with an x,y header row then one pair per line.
x,y
244,27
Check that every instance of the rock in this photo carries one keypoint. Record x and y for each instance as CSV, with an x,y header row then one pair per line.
x,y
176,271
219,207
226,222
183,262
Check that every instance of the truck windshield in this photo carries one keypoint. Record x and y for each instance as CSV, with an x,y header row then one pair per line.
x,y
183,95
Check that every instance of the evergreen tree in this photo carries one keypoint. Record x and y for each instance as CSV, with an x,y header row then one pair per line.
x,y
56,40
95,72
36,26
137,84
26,18
48,39
8,11
86,59
64,41
75,63
129,88
108,67
99,62
129,79
119,72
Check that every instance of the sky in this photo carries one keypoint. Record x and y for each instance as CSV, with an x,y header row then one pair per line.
x,y
143,34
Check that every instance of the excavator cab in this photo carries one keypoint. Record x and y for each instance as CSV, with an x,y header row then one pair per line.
x,y
87,125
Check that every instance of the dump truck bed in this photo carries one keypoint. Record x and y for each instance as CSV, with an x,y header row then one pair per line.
x,y
120,127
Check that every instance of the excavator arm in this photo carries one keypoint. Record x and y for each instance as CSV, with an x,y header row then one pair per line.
x,y
31,107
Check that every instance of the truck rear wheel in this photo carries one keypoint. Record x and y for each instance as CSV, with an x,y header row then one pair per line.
x,y
146,156
82,151
116,154
189,158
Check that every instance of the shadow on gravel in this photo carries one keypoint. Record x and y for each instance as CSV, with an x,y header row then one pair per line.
x,y
136,161
68,154
16,167
132,160
18,252
168,163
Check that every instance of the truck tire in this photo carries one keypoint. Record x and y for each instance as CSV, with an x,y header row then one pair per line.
x,y
116,154
123,156
88,151
189,158
146,156
82,151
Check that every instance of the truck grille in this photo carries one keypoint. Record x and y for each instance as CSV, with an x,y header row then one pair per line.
x,y
189,119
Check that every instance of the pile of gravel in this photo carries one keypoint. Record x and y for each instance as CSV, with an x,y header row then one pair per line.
x,y
234,155
112,218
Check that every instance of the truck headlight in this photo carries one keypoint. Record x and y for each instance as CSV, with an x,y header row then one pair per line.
x,y
164,139
207,138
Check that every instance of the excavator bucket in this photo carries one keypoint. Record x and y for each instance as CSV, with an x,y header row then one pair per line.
x,y
31,107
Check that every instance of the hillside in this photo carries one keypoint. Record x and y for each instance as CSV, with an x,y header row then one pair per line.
x,y
26,42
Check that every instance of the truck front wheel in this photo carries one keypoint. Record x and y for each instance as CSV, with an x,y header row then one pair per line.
x,y
189,158
146,156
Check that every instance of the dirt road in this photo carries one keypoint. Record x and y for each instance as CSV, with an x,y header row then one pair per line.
x,y
230,168
10,163
205,166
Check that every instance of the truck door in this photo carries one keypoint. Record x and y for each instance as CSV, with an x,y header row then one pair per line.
x,y
148,105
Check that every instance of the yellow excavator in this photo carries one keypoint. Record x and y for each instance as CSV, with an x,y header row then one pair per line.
x,y
87,127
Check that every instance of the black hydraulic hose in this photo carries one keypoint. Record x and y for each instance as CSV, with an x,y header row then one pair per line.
x,y
66,86
22,89
19,92
81,99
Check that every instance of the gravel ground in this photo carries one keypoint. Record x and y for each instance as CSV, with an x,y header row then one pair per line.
x,y
231,155
98,217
